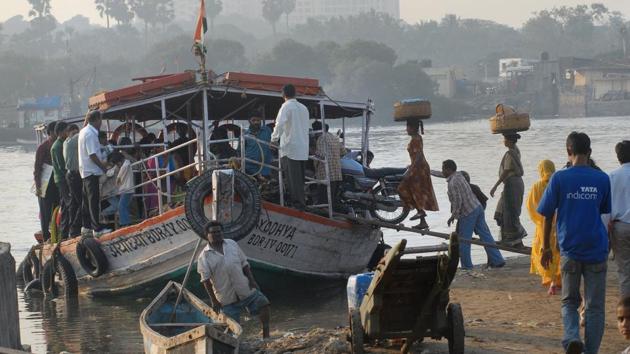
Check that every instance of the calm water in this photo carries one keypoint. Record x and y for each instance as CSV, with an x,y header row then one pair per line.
x,y
111,325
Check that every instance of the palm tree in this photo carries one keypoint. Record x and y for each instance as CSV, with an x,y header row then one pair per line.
x,y
271,11
289,7
214,8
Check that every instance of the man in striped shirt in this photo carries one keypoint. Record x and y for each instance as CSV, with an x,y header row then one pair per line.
x,y
465,207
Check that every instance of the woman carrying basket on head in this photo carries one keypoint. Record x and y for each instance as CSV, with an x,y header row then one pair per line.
x,y
416,188
508,210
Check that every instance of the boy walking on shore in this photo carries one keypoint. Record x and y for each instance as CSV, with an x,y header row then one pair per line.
x,y
578,196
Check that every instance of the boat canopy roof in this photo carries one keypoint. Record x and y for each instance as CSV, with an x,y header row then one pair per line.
x,y
233,96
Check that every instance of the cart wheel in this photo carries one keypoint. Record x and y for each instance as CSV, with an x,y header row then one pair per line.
x,y
455,329
356,332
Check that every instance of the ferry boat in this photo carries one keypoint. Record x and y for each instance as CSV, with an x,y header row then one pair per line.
x,y
158,248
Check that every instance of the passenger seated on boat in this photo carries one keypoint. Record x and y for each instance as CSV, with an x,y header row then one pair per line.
x,y
227,277
222,150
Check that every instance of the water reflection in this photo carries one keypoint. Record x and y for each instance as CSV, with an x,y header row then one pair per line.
x,y
111,324
85,325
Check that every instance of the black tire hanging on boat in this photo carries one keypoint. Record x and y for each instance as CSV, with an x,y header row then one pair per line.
x,y
30,270
66,274
91,257
19,274
34,284
201,187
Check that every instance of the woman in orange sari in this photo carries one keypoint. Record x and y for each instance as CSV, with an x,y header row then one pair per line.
x,y
416,188
550,277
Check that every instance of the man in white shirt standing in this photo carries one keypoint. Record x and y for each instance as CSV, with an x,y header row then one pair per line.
x,y
229,281
619,225
292,132
91,167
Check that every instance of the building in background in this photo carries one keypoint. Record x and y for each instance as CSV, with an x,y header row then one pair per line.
x,y
32,111
445,78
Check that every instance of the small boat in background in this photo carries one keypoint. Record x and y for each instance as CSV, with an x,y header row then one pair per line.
x,y
195,327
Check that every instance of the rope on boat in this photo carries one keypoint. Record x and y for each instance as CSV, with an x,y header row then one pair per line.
x,y
401,227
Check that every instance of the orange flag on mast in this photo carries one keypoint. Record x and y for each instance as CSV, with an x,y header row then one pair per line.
x,y
202,27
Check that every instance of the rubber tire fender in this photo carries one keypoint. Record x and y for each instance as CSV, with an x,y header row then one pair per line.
x,y
34,284
65,271
19,277
201,187
456,332
30,270
91,257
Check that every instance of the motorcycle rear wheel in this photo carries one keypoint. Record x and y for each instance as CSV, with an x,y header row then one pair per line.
x,y
391,217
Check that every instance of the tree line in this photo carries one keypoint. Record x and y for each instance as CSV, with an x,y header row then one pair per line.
x,y
367,55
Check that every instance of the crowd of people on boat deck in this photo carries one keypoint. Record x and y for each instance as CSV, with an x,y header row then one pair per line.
x,y
90,181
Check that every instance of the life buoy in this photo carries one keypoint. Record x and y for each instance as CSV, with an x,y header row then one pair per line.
x,y
128,128
68,279
173,128
247,193
233,128
91,257
30,270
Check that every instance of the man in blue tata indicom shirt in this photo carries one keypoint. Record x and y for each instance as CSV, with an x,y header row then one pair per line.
x,y
577,196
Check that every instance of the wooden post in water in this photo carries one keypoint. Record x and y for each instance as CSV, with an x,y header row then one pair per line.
x,y
9,316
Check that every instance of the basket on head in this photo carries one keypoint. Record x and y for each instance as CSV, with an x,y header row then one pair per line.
x,y
508,121
414,108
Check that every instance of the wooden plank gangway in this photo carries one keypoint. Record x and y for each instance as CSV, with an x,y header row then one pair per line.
x,y
402,227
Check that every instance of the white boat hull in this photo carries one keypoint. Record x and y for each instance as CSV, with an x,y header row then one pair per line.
x,y
284,239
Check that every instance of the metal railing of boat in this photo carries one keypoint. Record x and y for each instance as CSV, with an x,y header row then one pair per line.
x,y
162,173
308,180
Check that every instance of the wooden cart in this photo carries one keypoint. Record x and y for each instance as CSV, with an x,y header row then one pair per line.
x,y
408,298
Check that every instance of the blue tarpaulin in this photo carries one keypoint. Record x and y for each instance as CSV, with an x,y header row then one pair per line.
x,y
41,103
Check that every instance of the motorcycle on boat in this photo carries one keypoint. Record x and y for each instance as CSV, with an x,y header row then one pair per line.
x,y
372,190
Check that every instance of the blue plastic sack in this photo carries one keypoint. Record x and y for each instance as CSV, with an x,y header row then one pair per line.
x,y
357,288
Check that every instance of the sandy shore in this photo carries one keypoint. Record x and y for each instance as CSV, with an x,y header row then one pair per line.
x,y
505,311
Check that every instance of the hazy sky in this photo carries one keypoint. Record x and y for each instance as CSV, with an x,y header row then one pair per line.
x,y
511,12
